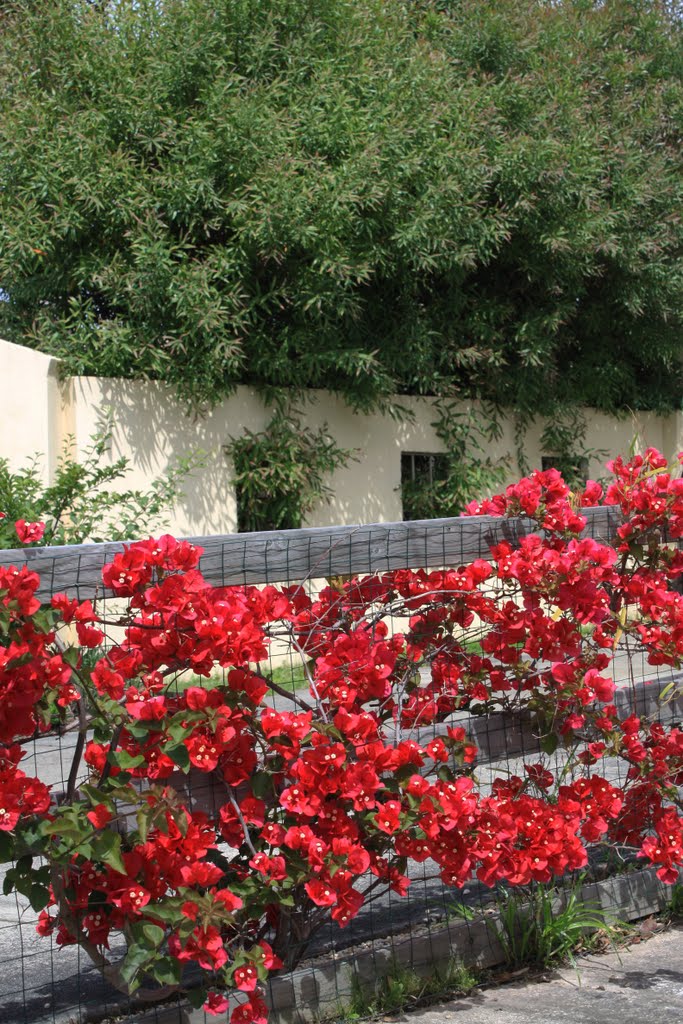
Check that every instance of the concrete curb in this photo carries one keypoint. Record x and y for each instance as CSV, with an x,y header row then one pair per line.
x,y
321,988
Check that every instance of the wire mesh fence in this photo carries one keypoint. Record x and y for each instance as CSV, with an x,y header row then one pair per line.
x,y
41,981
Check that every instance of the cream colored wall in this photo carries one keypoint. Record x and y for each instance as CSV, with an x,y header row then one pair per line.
x,y
607,436
152,429
30,420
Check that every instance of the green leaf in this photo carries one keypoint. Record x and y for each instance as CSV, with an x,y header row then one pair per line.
x,y
168,971
93,793
549,743
178,730
179,755
42,875
72,656
664,693
196,997
142,819
122,759
169,912
63,828
140,730
6,847
261,784
107,848
84,849
38,896
44,620
23,884
153,933
136,958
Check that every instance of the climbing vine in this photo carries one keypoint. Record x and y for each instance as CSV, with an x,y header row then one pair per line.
x,y
282,473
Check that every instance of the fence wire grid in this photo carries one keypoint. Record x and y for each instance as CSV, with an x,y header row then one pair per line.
x,y
42,983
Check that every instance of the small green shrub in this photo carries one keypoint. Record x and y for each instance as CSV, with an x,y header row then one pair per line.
x,y
533,931
676,902
80,504
280,473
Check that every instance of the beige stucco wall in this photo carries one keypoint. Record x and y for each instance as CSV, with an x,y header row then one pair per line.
x,y
30,420
152,429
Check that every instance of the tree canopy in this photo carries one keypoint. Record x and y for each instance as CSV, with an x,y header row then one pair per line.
x,y
478,196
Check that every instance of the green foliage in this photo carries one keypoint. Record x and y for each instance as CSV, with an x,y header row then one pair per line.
x,y
80,505
280,473
676,902
402,988
371,197
459,910
564,440
542,928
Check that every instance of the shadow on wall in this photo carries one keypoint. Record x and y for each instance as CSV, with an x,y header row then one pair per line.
x,y
153,430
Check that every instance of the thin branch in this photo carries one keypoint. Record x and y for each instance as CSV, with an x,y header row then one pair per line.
x,y
240,818
106,771
78,751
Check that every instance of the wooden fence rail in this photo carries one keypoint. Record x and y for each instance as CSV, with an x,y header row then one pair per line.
x,y
293,555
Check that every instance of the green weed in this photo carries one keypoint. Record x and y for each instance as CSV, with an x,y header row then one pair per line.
x,y
456,909
403,988
534,931
675,908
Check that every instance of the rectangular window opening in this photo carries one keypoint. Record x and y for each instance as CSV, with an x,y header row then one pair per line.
x,y
421,473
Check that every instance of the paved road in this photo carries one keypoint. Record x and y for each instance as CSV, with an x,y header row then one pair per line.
x,y
643,985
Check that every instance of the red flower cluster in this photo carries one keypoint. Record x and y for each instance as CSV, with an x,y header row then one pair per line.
x,y
19,795
33,675
29,533
223,810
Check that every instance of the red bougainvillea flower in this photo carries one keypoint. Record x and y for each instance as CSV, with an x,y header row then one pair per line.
x,y
100,816
29,533
266,956
216,1004
254,1011
245,978
215,812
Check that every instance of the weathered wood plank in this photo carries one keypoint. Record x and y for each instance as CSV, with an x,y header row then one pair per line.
x,y
293,555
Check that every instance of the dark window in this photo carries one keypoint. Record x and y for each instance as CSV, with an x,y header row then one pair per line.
x,y
421,474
